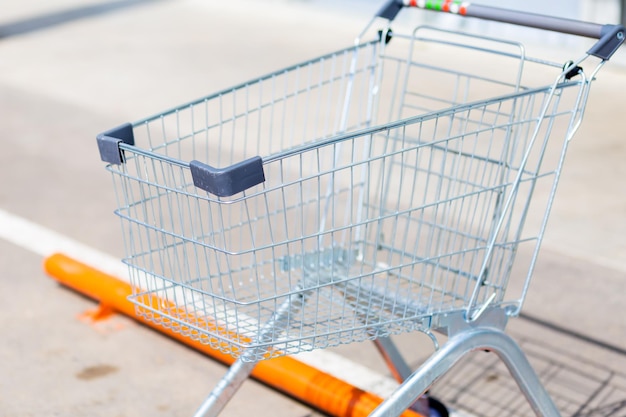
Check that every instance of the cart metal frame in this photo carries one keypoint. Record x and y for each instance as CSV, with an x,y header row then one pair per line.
x,y
368,192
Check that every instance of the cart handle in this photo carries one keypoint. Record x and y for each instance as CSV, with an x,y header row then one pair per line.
x,y
610,36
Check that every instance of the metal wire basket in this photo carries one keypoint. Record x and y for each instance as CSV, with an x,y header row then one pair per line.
x,y
376,204
379,189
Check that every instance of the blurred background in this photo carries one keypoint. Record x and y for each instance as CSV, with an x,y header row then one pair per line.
x,y
70,69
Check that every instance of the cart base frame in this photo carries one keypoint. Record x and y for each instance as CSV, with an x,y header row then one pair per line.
x,y
464,336
487,333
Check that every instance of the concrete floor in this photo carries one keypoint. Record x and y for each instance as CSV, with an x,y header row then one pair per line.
x,y
61,85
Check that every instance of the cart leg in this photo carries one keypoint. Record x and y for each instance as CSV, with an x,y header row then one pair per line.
x,y
392,357
400,370
225,389
453,350
242,368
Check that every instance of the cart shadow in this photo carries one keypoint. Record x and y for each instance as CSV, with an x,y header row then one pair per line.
x,y
613,409
480,385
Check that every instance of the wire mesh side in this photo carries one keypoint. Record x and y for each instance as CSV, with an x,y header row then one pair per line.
x,y
351,89
288,108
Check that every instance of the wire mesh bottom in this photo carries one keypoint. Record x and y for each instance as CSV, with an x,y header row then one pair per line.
x,y
337,299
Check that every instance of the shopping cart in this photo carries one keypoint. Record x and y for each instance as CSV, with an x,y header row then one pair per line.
x,y
384,188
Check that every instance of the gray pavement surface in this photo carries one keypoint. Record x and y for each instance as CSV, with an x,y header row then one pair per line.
x,y
62,85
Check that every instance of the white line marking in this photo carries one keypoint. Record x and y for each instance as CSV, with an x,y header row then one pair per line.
x,y
45,242
349,371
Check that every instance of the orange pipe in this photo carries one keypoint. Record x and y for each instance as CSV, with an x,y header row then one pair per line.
x,y
286,374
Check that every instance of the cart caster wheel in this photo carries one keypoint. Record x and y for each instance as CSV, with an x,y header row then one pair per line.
x,y
437,409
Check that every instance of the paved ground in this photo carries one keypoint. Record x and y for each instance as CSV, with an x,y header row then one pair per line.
x,y
61,85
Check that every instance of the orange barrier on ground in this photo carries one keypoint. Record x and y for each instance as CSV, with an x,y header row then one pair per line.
x,y
288,375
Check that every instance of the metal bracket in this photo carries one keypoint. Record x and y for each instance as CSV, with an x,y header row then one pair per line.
x,y
456,322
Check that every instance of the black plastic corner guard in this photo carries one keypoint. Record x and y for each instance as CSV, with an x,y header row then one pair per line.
x,y
390,10
225,182
108,143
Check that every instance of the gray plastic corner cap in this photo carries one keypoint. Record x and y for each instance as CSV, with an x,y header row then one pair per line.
x,y
612,38
390,9
225,182
108,143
